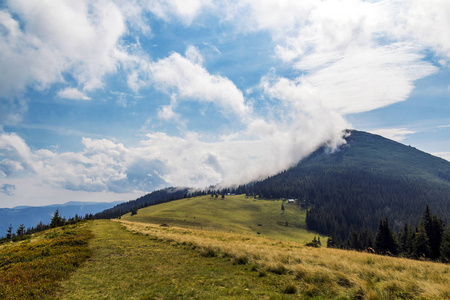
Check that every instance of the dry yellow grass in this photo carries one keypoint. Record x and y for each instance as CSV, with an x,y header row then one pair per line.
x,y
315,272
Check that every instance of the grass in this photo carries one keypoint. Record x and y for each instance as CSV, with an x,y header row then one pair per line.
x,y
308,272
237,214
126,265
32,269
206,257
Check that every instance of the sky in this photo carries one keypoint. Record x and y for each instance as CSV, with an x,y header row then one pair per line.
x,y
105,100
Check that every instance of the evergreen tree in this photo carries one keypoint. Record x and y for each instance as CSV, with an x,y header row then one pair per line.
x,y
384,240
421,245
9,232
406,240
134,210
333,241
20,230
434,228
355,241
56,220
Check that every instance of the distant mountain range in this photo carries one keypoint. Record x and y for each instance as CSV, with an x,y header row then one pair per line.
x,y
30,216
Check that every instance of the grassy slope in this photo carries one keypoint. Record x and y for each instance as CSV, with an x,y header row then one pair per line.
x,y
313,272
234,213
148,261
132,266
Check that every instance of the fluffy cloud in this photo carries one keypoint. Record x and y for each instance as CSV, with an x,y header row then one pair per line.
x,y
426,21
79,37
161,160
188,79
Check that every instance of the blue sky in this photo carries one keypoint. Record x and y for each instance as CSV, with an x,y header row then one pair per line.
x,y
107,100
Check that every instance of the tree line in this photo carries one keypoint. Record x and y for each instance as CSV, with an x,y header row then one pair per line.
x,y
430,239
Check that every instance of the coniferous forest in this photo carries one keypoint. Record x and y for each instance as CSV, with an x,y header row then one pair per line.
x,y
368,183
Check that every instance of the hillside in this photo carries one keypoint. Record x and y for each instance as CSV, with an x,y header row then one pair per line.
x,y
230,214
211,256
368,178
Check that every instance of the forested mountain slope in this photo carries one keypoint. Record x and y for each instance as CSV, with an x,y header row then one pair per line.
x,y
368,178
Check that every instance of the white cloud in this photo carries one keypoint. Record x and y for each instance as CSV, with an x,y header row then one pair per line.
x,y
161,160
166,113
73,93
79,37
344,49
360,81
396,134
426,21
191,81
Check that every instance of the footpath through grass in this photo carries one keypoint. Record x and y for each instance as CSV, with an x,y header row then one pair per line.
x,y
125,265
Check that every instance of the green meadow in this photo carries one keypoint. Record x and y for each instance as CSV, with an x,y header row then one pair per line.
x,y
239,214
206,248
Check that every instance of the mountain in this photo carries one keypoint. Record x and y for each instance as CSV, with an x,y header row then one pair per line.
x,y
364,180
30,216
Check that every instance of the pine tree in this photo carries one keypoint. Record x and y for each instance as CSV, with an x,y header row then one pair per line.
x,y
56,220
434,228
406,240
9,233
421,245
20,230
384,240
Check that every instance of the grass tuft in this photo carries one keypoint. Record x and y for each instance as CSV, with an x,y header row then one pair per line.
x,y
290,289
277,268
